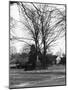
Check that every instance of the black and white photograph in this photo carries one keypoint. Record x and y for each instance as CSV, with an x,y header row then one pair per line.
x,y
37,44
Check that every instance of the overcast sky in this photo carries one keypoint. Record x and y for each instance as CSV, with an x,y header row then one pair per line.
x,y
20,31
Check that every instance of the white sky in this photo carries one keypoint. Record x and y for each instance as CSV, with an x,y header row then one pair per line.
x,y
19,31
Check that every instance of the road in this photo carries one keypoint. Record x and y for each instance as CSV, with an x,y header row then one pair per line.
x,y
50,77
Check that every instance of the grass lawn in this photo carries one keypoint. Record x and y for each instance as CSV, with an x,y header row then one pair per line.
x,y
55,75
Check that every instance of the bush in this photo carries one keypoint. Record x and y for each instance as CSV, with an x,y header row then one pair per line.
x,y
63,60
19,60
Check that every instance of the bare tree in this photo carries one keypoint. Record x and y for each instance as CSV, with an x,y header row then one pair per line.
x,y
51,31
45,24
32,23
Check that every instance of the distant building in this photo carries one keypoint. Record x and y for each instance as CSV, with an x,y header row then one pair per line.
x,y
58,59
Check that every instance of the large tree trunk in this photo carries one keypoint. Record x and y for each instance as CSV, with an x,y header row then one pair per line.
x,y
44,48
44,55
36,51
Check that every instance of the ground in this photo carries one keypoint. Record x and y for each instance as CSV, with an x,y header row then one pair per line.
x,y
54,75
